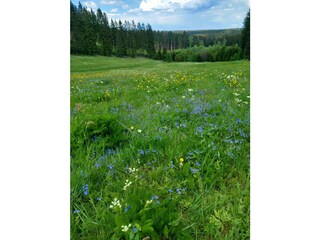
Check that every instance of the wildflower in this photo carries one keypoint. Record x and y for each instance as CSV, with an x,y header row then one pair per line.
x,y
242,134
125,228
115,203
76,211
172,165
198,164
193,170
85,189
127,184
134,229
139,130
141,151
127,208
181,160
190,89
110,167
132,170
170,190
154,197
183,96
199,130
132,127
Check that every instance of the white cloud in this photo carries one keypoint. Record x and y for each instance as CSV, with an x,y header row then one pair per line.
x,y
112,2
134,10
91,5
170,5
125,6
175,14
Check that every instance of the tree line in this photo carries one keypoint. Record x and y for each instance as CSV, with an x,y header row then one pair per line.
x,y
92,33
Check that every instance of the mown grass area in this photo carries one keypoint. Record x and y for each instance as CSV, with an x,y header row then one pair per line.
x,y
159,150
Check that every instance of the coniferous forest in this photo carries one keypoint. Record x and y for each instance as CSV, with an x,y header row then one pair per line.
x,y
93,33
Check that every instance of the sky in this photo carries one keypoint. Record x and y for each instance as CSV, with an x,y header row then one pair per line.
x,y
175,14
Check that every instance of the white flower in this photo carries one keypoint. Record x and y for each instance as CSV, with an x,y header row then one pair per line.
x,y
139,130
183,96
132,170
127,184
190,89
125,228
115,203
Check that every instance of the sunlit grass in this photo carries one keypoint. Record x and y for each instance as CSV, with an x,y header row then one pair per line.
x,y
159,149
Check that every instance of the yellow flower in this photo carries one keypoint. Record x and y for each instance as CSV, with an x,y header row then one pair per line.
x,y
132,127
181,160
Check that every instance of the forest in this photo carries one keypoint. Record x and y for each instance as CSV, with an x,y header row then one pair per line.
x,y
93,33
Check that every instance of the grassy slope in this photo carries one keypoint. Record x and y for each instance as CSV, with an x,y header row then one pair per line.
x,y
195,111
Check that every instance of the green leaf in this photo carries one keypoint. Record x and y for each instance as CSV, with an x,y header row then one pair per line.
x,y
166,231
174,223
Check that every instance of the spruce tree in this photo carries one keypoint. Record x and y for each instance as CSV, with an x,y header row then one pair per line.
x,y
245,40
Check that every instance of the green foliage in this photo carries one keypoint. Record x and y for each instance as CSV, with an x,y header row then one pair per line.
x,y
216,53
159,150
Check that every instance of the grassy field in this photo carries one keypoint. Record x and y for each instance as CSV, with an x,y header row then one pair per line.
x,y
159,150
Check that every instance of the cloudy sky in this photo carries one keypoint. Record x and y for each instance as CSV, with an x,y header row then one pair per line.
x,y
175,14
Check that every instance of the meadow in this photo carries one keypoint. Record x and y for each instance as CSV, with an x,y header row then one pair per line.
x,y
159,150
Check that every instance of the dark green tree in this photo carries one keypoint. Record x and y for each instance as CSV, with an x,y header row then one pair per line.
x,y
150,41
245,38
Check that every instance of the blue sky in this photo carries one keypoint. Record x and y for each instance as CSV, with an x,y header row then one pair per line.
x,y
175,14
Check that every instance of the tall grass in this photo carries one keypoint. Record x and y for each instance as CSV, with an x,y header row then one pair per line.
x,y
159,150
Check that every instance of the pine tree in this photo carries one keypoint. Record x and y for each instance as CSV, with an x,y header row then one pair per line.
x,y
150,41
245,40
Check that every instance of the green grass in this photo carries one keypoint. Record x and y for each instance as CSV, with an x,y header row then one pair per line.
x,y
175,134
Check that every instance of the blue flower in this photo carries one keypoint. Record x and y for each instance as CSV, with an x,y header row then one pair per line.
x,y
85,189
198,164
170,190
110,167
172,165
134,229
199,130
193,170
154,197
99,199
127,208
76,211
141,151
242,134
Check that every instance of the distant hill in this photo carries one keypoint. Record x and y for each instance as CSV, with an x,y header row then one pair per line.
x,y
213,33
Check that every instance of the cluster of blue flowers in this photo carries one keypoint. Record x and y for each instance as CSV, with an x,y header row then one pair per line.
x,y
85,189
